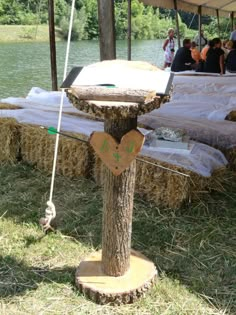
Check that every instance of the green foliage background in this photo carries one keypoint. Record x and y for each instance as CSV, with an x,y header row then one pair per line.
x,y
147,22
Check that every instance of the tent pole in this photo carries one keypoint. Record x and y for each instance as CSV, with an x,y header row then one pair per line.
x,y
129,30
232,21
200,25
107,36
218,21
177,22
52,44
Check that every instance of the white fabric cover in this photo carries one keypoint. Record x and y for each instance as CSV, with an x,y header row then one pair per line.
x,y
209,97
208,7
220,134
39,108
38,98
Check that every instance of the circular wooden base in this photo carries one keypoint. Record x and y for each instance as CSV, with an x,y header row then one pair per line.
x,y
102,289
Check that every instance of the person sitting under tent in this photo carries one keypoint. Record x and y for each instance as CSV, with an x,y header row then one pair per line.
x,y
225,48
204,51
229,45
214,58
202,39
233,34
231,59
183,60
195,52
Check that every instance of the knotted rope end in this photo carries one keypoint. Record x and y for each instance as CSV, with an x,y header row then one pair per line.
x,y
50,214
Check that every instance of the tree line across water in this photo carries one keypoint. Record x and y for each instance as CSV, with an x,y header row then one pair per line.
x,y
147,22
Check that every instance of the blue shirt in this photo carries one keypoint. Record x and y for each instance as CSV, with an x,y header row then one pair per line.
x,y
233,35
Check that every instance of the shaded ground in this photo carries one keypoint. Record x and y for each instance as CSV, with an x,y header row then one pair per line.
x,y
194,249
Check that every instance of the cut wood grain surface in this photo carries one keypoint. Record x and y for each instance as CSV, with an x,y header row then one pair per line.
x,y
99,93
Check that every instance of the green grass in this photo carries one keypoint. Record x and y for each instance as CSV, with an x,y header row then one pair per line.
x,y
193,248
25,33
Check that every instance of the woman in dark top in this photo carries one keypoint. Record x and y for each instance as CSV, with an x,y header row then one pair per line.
x,y
231,59
215,57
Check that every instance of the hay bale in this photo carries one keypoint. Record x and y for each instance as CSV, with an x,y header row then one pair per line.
x,y
217,134
231,116
9,106
37,147
230,155
9,140
165,188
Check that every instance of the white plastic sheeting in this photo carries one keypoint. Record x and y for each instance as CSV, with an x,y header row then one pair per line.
x,y
219,134
202,159
209,97
199,105
40,99
49,119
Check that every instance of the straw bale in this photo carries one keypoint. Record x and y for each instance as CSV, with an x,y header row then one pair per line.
x,y
219,135
142,65
37,147
9,140
9,106
165,188
230,155
231,116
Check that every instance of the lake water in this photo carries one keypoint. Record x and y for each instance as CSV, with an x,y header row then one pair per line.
x,y
24,65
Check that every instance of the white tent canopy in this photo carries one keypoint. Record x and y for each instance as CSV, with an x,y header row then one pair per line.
x,y
209,7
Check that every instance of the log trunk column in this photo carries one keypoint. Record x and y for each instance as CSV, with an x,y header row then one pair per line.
x,y
118,207
116,274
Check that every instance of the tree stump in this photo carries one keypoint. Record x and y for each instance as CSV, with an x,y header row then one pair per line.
x,y
103,289
116,274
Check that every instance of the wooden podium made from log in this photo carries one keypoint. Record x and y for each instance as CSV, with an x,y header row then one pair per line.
x,y
116,274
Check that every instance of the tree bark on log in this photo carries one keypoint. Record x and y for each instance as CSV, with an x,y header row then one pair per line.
x,y
114,298
103,289
118,208
114,110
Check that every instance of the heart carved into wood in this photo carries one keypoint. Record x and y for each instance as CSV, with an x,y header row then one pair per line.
x,y
117,156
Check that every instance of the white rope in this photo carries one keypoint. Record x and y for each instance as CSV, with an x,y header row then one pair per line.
x,y
50,212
